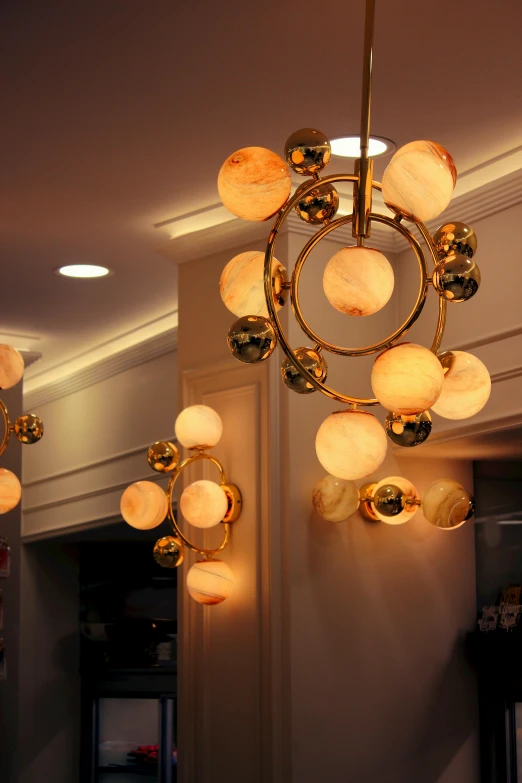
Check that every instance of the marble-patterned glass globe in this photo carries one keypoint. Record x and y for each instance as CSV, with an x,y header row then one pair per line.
x,y
242,285
252,339
335,499
10,491
447,505
168,552
28,428
254,183
143,505
466,386
312,361
198,427
307,151
408,431
11,366
203,503
457,278
419,180
163,456
455,237
319,205
394,500
407,378
210,581
358,280
350,444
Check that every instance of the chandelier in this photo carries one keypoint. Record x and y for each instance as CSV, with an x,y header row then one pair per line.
x,y
408,380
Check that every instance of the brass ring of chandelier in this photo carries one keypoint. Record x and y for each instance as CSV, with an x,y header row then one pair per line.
x,y
294,289
7,428
230,490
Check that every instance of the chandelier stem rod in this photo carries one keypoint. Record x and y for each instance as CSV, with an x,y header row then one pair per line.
x,y
366,97
362,193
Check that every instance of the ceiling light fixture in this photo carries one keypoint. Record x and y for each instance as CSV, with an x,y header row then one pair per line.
x,y
350,146
83,270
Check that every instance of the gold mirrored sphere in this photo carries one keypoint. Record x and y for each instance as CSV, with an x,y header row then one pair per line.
x,y
389,500
319,205
457,278
408,430
312,361
168,552
307,151
163,456
455,237
252,339
28,428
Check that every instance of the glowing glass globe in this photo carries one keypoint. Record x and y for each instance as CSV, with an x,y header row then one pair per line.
x,y
407,378
447,505
466,386
203,503
143,505
393,500
10,491
335,499
198,427
254,183
210,581
11,366
242,285
350,444
358,280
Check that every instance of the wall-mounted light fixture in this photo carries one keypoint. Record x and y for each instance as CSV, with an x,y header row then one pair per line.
x,y
27,428
204,504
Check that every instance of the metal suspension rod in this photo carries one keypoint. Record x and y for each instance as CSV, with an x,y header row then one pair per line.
x,y
362,192
366,96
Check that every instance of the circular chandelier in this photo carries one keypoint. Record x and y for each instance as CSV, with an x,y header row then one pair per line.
x,y
407,379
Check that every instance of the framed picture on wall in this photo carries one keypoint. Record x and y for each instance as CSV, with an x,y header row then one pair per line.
x,y
5,557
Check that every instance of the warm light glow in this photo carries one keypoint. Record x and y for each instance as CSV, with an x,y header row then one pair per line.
x,y
335,499
242,285
198,426
83,270
11,366
407,378
254,183
143,505
466,386
447,505
10,491
387,501
210,581
203,503
350,146
358,280
350,444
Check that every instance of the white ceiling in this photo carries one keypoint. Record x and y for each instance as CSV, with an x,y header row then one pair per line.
x,y
116,116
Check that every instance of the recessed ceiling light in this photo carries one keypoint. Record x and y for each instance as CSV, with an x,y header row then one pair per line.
x,y
349,146
83,270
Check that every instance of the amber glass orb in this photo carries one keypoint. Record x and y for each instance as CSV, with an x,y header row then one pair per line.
x,y
10,491
466,387
408,431
163,456
350,444
210,581
11,366
335,499
358,280
394,500
143,505
252,339
407,378
419,180
319,204
307,151
28,428
254,183
455,237
168,552
447,505
203,503
198,427
457,278
242,285
312,361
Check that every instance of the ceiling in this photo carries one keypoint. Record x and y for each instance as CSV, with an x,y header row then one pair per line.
x,y
117,116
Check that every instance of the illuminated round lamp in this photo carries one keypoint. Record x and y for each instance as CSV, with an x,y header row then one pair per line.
x,y
394,500
143,505
242,286
358,280
168,552
350,444
419,180
466,386
335,499
84,271
203,503
254,183
210,581
163,456
198,427
350,146
10,491
447,505
11,366
407,378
